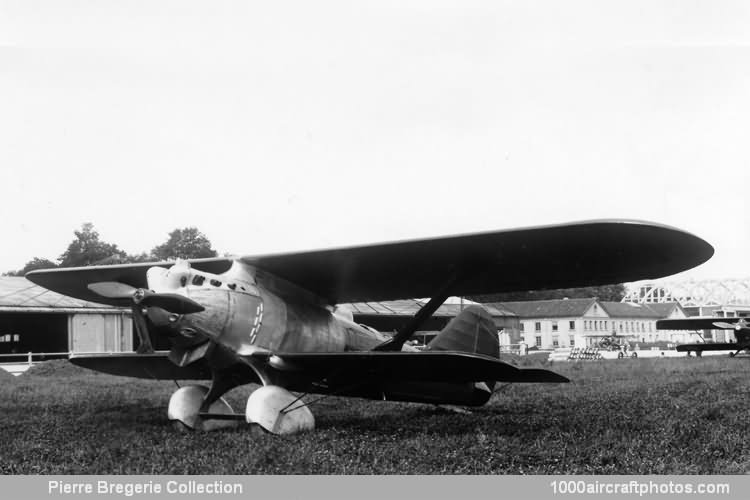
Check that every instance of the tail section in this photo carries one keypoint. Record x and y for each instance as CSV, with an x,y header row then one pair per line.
x,y
473,330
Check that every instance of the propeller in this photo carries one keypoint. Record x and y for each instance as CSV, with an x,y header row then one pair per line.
x,y
170,302
741,324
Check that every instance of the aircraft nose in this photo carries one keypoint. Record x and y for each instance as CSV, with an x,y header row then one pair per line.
x,y
161,279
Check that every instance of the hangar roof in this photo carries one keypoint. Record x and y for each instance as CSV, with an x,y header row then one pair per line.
x,y
17,294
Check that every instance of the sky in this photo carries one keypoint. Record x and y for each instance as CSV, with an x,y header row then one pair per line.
x,y
281,126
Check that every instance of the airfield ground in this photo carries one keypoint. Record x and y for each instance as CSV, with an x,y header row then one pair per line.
x,y
643,416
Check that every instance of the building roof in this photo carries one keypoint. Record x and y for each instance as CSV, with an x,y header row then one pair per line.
x,y
19,294
664,309
409,307
574,308
629,310
557,308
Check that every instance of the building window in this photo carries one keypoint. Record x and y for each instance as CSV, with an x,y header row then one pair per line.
x,y
521,327
571,325
555,342
554,326
572,342
538,341
538,326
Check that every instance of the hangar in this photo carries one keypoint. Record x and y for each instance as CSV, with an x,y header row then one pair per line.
x,y
34,319
390,316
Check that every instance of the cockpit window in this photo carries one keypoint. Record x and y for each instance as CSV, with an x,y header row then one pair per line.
x,y
231,286
198,280
215,282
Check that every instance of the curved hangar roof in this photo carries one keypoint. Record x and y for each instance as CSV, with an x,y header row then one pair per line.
x,y
18,294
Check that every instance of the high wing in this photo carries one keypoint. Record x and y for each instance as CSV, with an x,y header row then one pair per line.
x,y
557,256
350,367
697,323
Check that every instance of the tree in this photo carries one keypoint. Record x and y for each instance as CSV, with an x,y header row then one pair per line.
x,y
186,243
87,249
35,263
605,293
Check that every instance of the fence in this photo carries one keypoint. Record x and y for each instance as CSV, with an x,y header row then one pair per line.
x,y
29,357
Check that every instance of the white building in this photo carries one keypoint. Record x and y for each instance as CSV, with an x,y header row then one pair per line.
x,y
549,324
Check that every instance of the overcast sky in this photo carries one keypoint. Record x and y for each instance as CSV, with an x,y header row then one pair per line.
x,y
277,126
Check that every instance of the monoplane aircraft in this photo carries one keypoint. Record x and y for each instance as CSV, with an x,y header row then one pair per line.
x,y
739,325
272,319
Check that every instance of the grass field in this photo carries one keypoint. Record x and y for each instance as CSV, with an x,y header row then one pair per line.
x,y
684,415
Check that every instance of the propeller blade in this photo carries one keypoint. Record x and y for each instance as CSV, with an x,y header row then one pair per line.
x,y
141,329
112,289
172,302
725,326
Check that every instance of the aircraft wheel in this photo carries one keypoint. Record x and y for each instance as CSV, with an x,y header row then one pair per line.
x,y
278,411
731,354
634,355
698,354
620,355
185,404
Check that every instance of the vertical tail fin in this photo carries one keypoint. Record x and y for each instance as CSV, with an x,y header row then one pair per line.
x,y
473,330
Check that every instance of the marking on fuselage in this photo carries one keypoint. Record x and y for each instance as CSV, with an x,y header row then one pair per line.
x,y
256,322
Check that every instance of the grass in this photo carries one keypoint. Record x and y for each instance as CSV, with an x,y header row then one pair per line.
x,y
645,416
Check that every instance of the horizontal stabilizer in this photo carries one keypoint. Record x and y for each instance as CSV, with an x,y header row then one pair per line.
x,y
707,347
428,366
538,375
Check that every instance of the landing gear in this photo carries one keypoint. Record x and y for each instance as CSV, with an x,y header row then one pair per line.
x,y
272,407
278,411
185,408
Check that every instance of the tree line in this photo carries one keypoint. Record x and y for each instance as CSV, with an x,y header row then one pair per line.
x,y
88,249
606,293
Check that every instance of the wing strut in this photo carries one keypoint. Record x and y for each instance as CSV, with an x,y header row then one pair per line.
x,y
397,342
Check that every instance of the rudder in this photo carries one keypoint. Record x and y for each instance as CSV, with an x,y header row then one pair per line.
x,y
473,330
